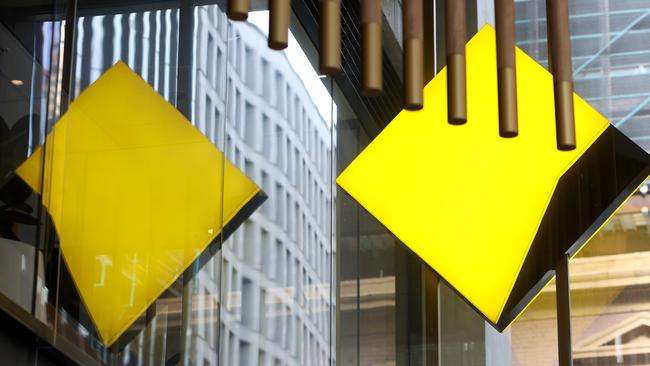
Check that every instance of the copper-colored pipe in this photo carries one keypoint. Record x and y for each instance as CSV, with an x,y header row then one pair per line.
x,y
371,75
560,65
280,14
330,37
238,9
456,29
504,11
413,54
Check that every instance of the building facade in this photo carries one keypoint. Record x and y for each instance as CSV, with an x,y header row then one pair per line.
x,y
309,277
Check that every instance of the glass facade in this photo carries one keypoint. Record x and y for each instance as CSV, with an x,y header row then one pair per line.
x,y
308,277
608,294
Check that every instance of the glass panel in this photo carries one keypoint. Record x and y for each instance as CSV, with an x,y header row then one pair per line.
x,y
610,290
144,38
534,333
609,293
462,334
31,98
368,312
609,61
276,268
609,72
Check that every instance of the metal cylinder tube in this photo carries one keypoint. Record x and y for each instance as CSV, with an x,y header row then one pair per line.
x,y
330,37
238,9
280,15
506,67
456,32
371,53
560,65
413,54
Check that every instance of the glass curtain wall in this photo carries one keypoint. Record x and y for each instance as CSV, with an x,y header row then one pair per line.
x,y
262,294
33,95
609,294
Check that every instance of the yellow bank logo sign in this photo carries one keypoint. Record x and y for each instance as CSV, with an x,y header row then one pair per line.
x,y
491,215
135,193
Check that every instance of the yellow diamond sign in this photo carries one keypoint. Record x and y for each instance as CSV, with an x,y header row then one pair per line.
x,y
136,194
491,215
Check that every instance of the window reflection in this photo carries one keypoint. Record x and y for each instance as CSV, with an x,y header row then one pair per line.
x,y
610,291
267,112
609,298
265,298
30,100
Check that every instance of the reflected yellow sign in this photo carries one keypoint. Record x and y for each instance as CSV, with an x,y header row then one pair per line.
x,y
465,200
135,192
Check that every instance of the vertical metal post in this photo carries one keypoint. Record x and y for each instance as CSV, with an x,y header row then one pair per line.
x,y
506,67
563,299
371,54
413,54
330,37
456,32
280,15
559,50
68,48
184,105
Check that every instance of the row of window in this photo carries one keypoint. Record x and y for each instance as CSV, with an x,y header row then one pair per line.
x,y
262,135
268,312
258,68
239,351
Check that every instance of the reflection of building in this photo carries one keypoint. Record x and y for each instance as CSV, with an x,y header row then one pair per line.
x,y
611,69
610,282
610,298
276,269
274,272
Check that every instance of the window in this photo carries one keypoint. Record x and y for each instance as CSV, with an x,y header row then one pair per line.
x,y
267,206
249,169
277,254
233,294
265,244
205,123
220,72
279,92
217,136
267,139
231,102
279,148
251,247
266,87
232,348
288,276
245,356
287,110
238,53
296,167
251,75
237,121
209,60
288,168
250,127
279,203
248,308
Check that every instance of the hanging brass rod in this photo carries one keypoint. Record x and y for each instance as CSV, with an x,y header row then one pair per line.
x,y
371,76
330,37
238,9
280,15
456,29
559,50
413,54
504,11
